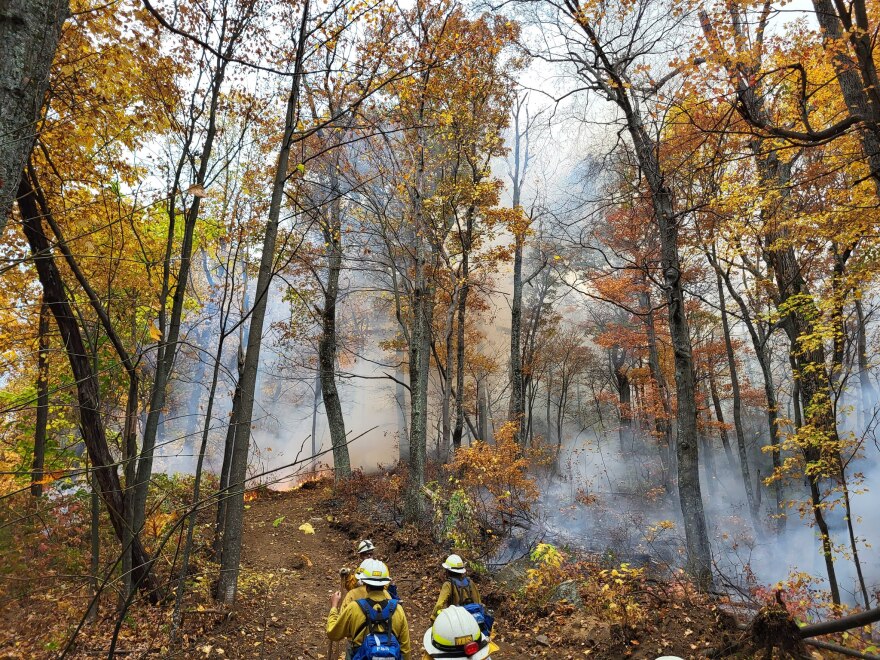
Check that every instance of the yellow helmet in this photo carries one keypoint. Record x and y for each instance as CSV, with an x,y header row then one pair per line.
x,y
374,573
454,563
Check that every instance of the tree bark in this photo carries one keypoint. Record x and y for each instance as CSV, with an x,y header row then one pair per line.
x,y
327,354
29,34
687,440
42,402
466,241
169,345
737,410
662,425
230,558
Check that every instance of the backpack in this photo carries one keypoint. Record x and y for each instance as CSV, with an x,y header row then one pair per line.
x,y
463,595
377,644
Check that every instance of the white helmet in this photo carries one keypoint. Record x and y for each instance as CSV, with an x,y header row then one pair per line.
x,y
456,635
454,563
365,546
374,573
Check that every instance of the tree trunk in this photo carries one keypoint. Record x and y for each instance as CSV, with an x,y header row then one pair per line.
x,y
617,357
662,425
719,415
422,321
760,344
687,440
857,79
332,230
866,389
737,410
29,33
459,347
167,350
516,408
94,543
230,558
88,392
226,468
42,402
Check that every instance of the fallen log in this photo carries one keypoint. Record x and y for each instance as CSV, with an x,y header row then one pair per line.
x,y
842,624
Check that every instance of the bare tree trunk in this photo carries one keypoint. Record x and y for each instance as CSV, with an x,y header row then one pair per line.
x,y
177,615
719,415
29,33
617,357
737,410
88,392
761,346
459,348
516,409
42,402
230,31
866,389
226,468
94,542
327,354
422,321
687,441
230,558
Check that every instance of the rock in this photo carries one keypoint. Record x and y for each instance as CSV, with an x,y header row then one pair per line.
x,y
513,575
543,640
567,591
587,631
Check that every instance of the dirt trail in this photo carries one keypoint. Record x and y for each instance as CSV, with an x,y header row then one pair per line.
x,y
283,601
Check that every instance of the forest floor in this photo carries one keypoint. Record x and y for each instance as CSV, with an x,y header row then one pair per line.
x,y
288,573
288,576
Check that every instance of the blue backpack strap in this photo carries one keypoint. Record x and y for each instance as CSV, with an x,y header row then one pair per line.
x,y
388,611
365,606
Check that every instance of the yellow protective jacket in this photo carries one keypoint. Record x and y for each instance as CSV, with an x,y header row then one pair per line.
x,y
450,595
358,592
349,623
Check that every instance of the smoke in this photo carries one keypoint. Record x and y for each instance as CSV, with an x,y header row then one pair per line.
x,y
612,504
285,409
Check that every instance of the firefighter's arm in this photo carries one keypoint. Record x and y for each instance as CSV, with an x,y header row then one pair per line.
x,y
443,599
475,593
339,623
402,633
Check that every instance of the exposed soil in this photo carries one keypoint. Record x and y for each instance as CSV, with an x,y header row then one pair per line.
x,y
288,576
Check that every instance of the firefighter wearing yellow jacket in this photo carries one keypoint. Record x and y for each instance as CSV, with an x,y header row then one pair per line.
x,y
374,614
365,551
457,589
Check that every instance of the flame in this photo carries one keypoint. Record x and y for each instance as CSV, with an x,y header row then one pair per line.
x,y
251,495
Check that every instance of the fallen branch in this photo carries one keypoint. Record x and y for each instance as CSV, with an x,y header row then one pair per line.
x,y
843,624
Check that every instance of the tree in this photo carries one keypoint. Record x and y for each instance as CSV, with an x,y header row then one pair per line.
x,y
29,33
608,67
